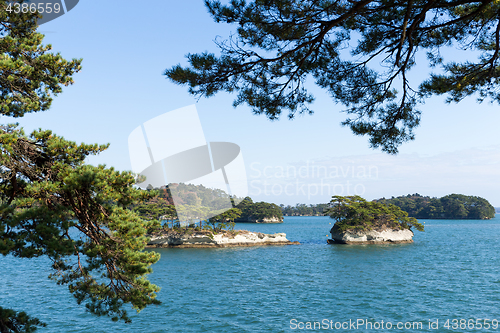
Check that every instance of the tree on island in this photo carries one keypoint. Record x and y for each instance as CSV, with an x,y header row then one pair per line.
x,y
280,44
355,213
156,212
258,210
51,203
204,205
224,220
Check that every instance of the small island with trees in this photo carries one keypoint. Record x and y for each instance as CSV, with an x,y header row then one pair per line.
x,y
197,197
259,212
210,222
369,222
452,206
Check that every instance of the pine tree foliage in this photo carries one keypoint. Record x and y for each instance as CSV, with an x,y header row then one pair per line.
x,y
12,321
47,191
258,210
224,220
29,74
354,212
361,52
53,204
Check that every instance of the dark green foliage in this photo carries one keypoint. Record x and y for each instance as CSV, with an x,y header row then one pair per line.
x,y
29,74
46,191
303,210
224,220
156,211
280,44
196,200
196,195
53,204
17,322
453,206
245,206
354,212
258,210
193,197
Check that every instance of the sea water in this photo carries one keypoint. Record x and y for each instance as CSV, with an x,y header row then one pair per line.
x,y
448,280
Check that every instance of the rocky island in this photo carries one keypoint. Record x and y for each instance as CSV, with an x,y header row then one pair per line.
x,y
206,220
383,236
196,200
258,212
207,238
363,222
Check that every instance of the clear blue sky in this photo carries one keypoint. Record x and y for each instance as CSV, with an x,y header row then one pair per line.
x,y
127,45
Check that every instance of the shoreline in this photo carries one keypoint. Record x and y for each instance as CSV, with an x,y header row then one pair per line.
x,y
207,239
333,241
381,236
205,246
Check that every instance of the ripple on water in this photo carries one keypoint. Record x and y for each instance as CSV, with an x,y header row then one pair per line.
x,y
449,272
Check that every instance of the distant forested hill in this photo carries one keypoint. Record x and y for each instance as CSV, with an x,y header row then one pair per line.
x,y
303,210
190,195
453,206
497,209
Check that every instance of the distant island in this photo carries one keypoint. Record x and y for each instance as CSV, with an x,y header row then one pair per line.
x,y
258,212
303,209
452,206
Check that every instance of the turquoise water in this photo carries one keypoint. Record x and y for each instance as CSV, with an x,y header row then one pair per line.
x,y
451,271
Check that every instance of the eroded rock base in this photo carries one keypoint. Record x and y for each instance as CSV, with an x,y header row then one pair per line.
x,y
387,236
206,239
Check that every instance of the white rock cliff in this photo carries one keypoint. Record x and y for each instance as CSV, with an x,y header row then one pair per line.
x,y
372,236
242,238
